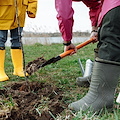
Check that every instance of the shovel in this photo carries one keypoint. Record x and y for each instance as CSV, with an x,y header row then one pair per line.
x,y
32,67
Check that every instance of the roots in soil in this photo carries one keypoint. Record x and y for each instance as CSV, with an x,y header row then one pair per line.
x,y
33,66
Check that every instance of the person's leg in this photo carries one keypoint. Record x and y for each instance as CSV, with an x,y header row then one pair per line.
x,y
109,36
102,87
3,39
106,70
16,53
15,42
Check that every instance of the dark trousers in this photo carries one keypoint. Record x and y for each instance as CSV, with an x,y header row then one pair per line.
x,y
15,42
109,36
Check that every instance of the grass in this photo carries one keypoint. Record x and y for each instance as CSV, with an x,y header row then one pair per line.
x,y
62,74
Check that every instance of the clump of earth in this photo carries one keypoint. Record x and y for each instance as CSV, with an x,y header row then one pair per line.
x,y
30,101
34,65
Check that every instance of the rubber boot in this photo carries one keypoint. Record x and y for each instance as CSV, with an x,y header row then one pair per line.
x,y
3,76
83,81
17,59
86,79
104,80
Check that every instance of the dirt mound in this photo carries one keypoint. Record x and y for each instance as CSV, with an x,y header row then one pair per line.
x,y
36,101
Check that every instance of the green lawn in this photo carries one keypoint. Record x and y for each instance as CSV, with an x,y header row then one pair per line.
x,y
62,74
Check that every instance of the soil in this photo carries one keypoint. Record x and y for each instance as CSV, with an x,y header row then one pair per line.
x,y
31,101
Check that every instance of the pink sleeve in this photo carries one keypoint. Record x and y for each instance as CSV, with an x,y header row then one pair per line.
x,y
95,8
94,14
65,18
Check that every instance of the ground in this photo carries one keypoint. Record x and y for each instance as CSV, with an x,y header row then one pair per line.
x,y
31,101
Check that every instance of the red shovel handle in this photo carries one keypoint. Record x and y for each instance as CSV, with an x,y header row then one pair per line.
x,y
78,47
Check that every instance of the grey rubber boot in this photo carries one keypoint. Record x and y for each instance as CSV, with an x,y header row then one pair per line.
x,y
83,81
104,80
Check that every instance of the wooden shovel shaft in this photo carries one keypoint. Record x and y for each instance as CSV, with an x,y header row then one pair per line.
x,y
78,47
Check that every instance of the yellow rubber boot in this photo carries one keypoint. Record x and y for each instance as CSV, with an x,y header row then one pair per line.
x,y
3,76
17,59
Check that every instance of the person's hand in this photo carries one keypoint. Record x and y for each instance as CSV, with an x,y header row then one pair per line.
x,y
94,35
28,12
71,46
